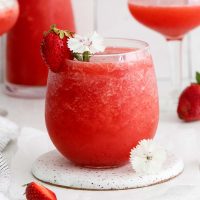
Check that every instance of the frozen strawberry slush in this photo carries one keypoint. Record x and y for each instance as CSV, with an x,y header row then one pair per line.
x,y
97,111
170,20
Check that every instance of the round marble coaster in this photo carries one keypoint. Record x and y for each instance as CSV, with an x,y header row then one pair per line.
x,y
53,168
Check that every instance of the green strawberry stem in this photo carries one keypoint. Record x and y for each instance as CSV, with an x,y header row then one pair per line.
x,y
85,57
198,77
61,33
78,56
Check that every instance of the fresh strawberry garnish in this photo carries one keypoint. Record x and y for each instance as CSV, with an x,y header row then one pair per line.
x,y
35,191
54,48
189,102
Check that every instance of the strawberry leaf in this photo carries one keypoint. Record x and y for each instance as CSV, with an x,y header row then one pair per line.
x,y
54,29
53,26
61,34
198,77
86,56
68,33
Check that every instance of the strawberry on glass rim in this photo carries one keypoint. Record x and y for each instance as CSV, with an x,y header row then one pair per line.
x,y
54,49
58,45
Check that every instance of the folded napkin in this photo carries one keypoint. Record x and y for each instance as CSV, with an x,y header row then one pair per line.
x,y
8,132
4,177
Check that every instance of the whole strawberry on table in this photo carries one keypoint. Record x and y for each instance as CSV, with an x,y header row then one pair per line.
x,y
189,102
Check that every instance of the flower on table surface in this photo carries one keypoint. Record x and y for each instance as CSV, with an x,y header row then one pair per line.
x,y
147,157
86,46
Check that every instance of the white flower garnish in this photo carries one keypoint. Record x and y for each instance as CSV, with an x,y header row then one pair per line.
x,y
147,157
92,44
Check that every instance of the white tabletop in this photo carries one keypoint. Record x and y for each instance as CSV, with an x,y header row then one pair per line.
x,y
181,138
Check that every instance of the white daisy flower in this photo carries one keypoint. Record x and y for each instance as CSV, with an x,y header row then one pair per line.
x,y
147,157
92,44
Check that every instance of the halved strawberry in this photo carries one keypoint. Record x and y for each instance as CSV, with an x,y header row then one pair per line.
x,y
35,191
54,49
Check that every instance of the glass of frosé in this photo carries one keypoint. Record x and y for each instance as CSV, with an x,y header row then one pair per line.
x,y
97,111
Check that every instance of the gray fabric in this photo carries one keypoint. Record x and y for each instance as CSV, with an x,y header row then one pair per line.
x,y
4,174
8,132
3,142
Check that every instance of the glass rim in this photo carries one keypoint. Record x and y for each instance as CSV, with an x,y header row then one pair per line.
x,y
133,50
176,3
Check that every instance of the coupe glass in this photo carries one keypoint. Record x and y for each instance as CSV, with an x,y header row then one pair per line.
x,y
9,11
173,19
97,111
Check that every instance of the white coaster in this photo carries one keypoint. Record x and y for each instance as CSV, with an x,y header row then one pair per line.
x,y
53,168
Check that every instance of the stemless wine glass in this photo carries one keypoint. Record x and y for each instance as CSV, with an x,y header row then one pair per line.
x,y
173,19
9,11
97,111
